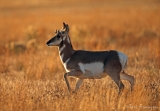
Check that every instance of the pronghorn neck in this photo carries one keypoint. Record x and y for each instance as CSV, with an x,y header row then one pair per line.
x,y
65,49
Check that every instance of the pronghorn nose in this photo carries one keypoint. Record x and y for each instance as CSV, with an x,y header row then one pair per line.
x,y
48,43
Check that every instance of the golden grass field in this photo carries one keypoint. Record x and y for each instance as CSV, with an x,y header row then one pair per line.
x,y
31,74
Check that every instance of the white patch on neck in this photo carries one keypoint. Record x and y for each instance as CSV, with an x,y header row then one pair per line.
x,y
61,49
68,40
94,67
61,57
123,59
64,38
65,64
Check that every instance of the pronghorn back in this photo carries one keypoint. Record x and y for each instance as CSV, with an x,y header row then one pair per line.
x,y
89,64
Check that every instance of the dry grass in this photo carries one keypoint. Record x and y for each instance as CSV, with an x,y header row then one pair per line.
x,y
31,75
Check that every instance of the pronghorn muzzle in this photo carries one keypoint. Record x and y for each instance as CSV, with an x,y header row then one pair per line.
x,y
55,41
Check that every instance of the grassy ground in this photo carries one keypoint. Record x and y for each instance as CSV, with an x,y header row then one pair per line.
x,y
31,74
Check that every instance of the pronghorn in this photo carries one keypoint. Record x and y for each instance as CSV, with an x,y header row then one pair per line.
x,y
89,64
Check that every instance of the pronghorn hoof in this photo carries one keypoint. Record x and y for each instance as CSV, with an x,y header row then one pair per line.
x,y
89,64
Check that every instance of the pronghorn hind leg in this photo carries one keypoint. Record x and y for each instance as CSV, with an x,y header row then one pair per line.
x,y
116,78
119,84
125,76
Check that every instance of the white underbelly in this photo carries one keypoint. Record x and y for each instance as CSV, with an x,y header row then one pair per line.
x,y
92,70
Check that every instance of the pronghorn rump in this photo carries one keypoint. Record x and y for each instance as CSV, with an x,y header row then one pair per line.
x,y
84,64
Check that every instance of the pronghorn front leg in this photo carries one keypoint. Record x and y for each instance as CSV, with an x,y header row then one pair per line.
x,y
74,74
66,79
78,84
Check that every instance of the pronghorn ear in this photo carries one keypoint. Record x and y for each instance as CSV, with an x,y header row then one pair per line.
x,y
65,27
56,31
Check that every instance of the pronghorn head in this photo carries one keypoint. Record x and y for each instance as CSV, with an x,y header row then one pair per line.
x,y
60,36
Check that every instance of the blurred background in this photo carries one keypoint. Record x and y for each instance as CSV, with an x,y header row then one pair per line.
x,y
31,74
17,17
